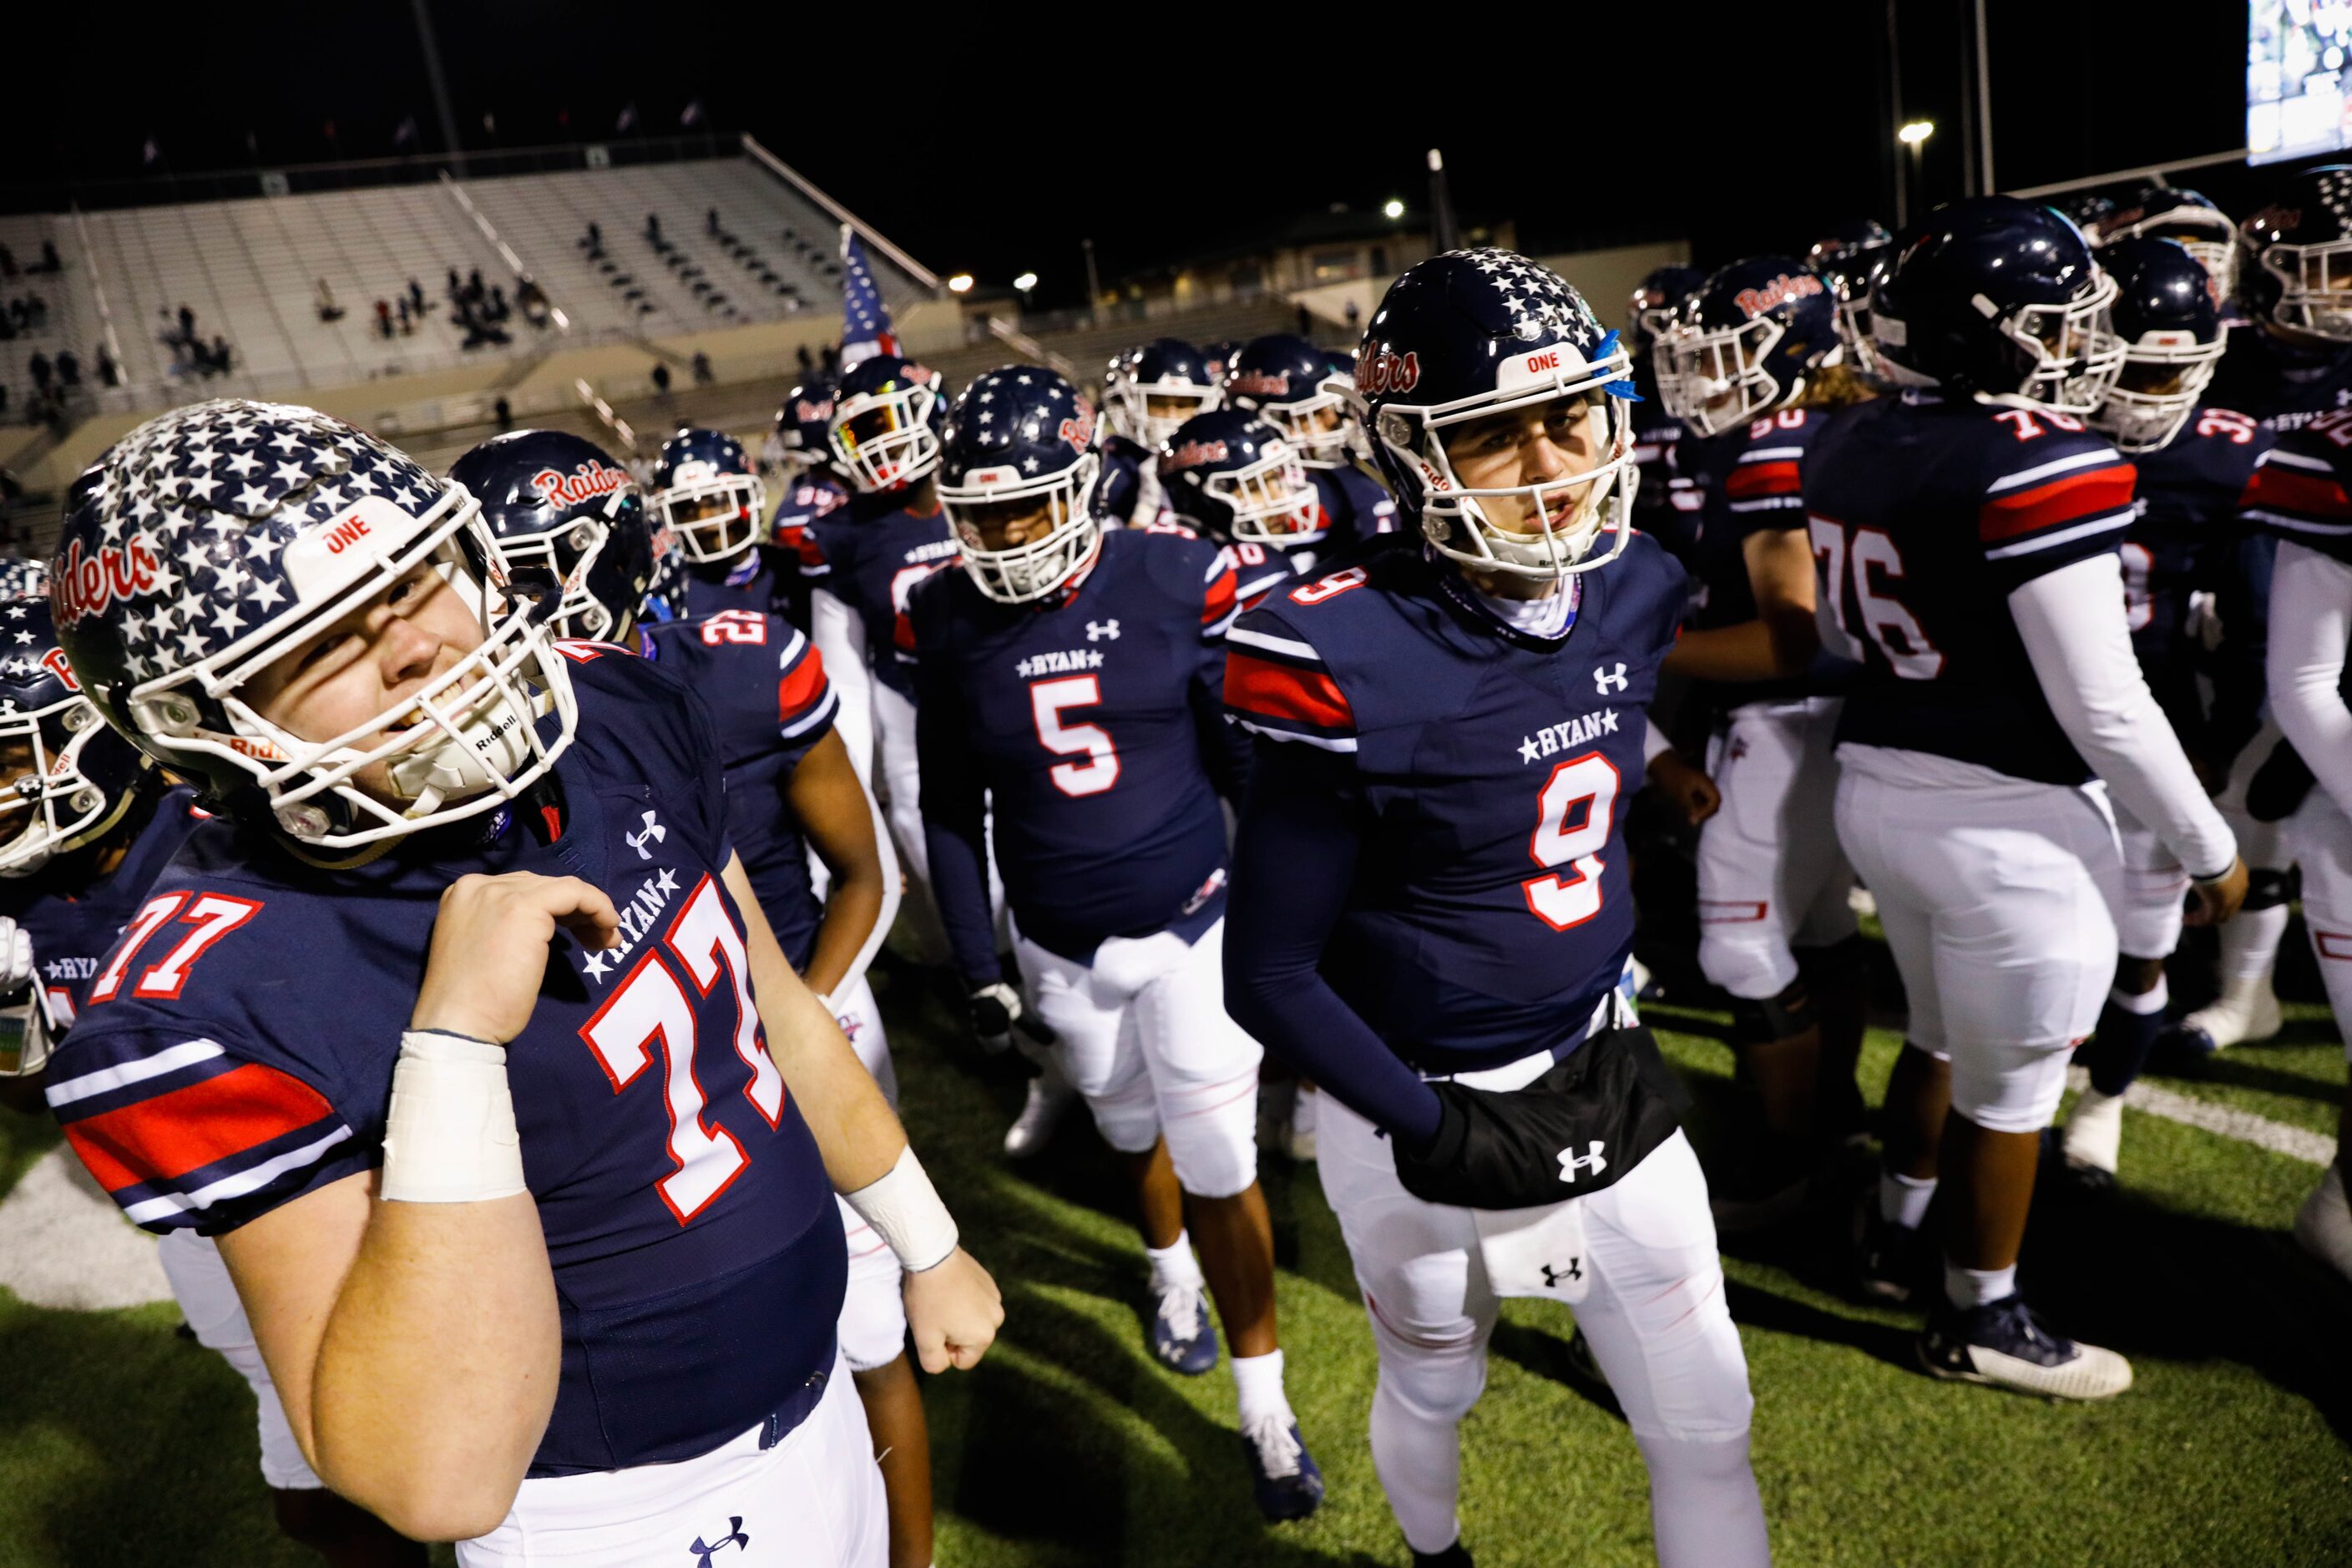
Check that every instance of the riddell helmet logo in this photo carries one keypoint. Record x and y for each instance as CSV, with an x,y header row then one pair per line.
x,y
584,482
1381,371
85,587
1779,291
54,661
1193,454
1263,384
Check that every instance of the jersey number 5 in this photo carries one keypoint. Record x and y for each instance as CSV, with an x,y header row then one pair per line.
x,y
1049,700
1574,812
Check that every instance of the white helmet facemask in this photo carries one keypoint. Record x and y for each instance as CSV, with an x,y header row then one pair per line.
x,y
60,806
2142,421
884,439
712,535
1022,574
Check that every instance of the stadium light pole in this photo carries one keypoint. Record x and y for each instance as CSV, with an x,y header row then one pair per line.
x,y
431,48
1984,107
1914,136
1094,289
1440,205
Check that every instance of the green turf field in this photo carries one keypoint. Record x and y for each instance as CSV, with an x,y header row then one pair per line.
x,y
121,1445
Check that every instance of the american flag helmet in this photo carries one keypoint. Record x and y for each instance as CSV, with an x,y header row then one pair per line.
x,y
1292,386
1233,475
1168,369
217,539
1021,437
65,778
2296,254
707,493
888,420
1474,333
559,503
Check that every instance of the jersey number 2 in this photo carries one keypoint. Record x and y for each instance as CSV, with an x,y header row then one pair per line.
x,y
1573,815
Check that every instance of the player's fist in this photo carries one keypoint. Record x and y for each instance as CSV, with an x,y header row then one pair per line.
x,y
953,1310
1693,793
490,950
15,956
995,1010
2218,898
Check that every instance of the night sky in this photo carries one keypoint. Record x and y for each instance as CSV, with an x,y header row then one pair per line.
x,y
997,144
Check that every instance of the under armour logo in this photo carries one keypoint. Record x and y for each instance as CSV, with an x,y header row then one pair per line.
x,y
1570,1162
1097,631
735,1537
1608,682
1552,1277
653,834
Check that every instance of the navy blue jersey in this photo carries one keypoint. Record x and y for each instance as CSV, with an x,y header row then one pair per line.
x,y
1926,515
1482,775
2185,538
766,689
1655,434
2280,384
1128,493
1750,481
872,564
2302,488
1258,570
761,582
805,498
74,914
1355,506
236,1050
1095,725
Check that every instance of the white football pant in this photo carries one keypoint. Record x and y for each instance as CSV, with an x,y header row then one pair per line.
x,y
207,1297
1772,876
872,1310
2319,836
2155,890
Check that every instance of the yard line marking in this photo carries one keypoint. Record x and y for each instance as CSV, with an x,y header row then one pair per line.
x,y
2294,1143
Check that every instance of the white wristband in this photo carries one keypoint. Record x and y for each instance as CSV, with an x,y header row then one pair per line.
x,y
905,1211
449,1137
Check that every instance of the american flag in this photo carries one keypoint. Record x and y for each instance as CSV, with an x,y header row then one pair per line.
x,y
864,318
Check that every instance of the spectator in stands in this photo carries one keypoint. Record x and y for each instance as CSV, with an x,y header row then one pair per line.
x,y
1355,315
652,227
406,326
68,371
383,320
531,301
474,291
49,262
328,310
503,412
498,310
39,365
223,361
416,297
4,400
108,372
188,325
661,379
806,362
7,262
702,372
831,357
710,221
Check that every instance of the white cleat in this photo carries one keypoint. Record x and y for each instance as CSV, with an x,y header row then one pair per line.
x,y
2324,1224
1050,1098
1298,1138
2005,1345
2245,1013
2095,1132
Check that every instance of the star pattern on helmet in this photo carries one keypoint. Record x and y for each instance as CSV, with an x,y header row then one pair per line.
x,y
1043,405
1540,304
208,552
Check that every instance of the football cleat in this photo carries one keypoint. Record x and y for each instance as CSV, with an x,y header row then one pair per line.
x,y
2246,1012
2324,1224
2092,1143
1887,1257
1283,1474
1050,1098
1454,1556
1298,1138
2002,1343
1181,1337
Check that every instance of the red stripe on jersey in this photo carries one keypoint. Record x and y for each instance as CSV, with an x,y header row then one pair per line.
x,y
1778,479
1284,691
802,687
2303,495
812,553
2061,501
165,1138
1219,604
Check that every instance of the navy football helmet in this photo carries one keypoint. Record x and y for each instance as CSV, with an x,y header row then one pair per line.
x,y
1999,300
2294,256
215,540
889,418
1747,344
1657,303
1218,357
2151,210
1021,447
559,502
1478,333
71,776
1167,372
804,423
1290,383
1851,258
705,492
2173,339
1234,477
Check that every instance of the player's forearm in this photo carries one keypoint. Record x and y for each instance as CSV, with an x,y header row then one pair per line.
x,y
959,868
858,907
438,1366
1746,652
2311,615
846,829
2072,623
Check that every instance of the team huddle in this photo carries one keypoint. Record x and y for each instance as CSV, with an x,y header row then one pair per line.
x,y
443,904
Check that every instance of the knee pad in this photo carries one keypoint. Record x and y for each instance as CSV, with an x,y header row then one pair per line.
x,y
2010,1087
2267,888
1774,1018
1433,1382
1215,1151
1746,958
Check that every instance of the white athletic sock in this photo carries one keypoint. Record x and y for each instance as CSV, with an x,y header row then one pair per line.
x,y
2141,1002
1966,1287
2250,945
1257,1382
2095,1132
1174,1264
1904,1200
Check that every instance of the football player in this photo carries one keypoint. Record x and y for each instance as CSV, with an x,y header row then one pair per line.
x,y
790,789
1232,477
587,1287
1966,536
1851,258
2152,210
2193,462
1437,719
2299,493
1070,677
1753,367
1657,301
706,493
1292,386
1147,392
808,487
98,825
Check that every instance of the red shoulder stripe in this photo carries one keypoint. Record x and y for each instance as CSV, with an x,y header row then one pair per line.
x,y
1776,478
2061,499
1285,691
2290,491
812,553
803,686
1219,602
163,1138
